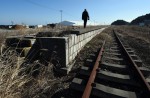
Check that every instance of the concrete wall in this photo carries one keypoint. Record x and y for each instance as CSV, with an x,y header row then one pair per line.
x,y
66,48
76,42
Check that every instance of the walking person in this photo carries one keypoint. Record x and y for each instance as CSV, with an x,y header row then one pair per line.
x,y
85,17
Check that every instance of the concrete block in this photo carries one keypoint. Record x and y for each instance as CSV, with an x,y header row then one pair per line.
x,y
66,70
84,43
67,44
19,42
91,37
66,48
73,55
76,47
70,58
67,55
70,41
87,40
78,38
72,50
91,33
81,37
76,53
78,50
57,44
69,51
85,36
79,45
73,39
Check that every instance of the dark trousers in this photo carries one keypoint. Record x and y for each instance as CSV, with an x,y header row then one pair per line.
x,y
85,21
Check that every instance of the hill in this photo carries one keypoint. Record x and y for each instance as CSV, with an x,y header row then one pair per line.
x,y
119,22
140,19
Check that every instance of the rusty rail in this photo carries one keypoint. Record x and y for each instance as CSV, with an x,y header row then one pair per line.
x,y
137,70
88,88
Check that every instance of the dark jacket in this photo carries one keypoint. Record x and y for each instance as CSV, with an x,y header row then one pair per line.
x,y
85,15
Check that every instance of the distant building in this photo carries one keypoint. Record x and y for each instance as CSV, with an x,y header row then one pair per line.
x,y
39,26
26,26
67,23
10,27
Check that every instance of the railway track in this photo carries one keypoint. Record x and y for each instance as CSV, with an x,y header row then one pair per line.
x,y
114,72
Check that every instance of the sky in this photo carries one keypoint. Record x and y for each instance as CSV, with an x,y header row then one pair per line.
x,y
33,12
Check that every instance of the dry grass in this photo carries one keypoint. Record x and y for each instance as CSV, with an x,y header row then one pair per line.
x,y
8,74
138,31
25,80
92,46
6,33
139,39
18,79
106,35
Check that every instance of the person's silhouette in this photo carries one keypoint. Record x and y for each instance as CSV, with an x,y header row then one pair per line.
x,y
85,17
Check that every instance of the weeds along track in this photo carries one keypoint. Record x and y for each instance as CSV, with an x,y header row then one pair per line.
x,y
114,72
22,79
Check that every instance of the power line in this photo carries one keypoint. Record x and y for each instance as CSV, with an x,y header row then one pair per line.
x,y
40,5
43,6
61,19
66,13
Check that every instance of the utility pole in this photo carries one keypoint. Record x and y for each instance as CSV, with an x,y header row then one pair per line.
x,y
61,18
12,23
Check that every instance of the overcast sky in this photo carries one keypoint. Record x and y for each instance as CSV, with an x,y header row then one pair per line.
x,y
48,11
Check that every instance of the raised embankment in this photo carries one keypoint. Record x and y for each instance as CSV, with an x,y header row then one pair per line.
x,y
61,50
